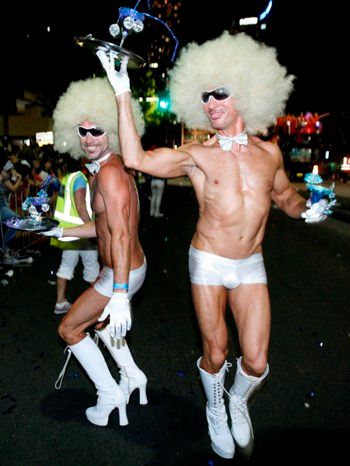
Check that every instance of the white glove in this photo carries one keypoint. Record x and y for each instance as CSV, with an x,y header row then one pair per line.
x,y
119,79
119,311
317,212
56,232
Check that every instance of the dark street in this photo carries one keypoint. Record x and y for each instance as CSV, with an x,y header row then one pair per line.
x,y
301,417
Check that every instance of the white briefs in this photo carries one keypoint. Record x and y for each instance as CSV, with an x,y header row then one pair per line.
x,y
104,283
209,269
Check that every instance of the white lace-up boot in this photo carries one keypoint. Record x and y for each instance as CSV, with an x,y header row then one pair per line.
x,y
110,395
240,392
131,377
221,439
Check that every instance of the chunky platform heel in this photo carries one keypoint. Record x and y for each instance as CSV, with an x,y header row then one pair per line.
x,y
130,380
99,414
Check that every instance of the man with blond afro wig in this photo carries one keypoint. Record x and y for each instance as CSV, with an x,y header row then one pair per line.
x,y
85,124
235,87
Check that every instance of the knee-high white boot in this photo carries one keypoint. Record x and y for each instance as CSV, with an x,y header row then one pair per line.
x,y
240,392
110,395
221,439
131,377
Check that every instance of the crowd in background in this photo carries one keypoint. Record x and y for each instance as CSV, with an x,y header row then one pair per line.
x,y
22,173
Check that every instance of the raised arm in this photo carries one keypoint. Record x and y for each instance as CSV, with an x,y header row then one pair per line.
x,y
163,162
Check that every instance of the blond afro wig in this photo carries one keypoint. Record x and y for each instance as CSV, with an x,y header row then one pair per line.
x,y
91,99
257,82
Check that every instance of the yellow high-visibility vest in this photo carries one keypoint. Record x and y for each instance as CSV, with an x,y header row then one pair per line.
x,y
66,212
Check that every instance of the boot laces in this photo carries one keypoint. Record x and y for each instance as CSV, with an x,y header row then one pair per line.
x,y
227,368
219,410
58,383
219,416
239,409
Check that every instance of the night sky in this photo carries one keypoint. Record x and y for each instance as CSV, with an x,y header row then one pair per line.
x,y
311,41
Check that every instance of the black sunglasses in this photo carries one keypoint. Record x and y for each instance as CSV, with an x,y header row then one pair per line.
x,y
94,132
221,93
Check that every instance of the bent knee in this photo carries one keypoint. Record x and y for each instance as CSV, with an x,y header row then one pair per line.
x,y
215,358
67,333
254,365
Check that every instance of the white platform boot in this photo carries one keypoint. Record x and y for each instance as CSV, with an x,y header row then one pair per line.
x,y
110,395
240,392
131,377
221,439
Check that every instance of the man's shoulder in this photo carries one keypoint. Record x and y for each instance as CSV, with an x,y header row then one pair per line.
x,y
268,146
194,148
113,169
188,146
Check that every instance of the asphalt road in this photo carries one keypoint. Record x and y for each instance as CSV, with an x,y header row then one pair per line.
x,y
302,415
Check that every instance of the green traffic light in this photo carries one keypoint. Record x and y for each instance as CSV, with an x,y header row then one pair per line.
x,y
164,104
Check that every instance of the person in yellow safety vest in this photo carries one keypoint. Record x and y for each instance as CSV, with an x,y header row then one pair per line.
x,y
73,208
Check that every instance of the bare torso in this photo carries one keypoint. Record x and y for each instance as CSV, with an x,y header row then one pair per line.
x,y
102,230
233,190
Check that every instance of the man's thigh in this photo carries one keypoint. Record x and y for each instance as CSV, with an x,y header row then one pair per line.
x,y
85,311
210,305
250,305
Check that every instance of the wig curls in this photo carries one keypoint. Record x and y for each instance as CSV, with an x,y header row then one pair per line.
x,y
259,85
91,99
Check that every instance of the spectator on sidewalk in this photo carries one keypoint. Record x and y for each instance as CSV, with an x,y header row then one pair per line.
x,y
7,187
157,189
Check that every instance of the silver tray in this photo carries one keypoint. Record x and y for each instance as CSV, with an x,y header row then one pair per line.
x,y
29,224
135,61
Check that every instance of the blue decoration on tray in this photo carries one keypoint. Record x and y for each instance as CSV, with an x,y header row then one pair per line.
x,y
317,191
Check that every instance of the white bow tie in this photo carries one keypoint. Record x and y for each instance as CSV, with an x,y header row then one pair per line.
x,y
227,141
94,167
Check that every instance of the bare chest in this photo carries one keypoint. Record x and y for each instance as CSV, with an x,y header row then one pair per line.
x,y
96,199
239,174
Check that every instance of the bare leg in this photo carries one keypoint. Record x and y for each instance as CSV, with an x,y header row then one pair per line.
x,y
84,312
61,290
251,308
210,306
250,305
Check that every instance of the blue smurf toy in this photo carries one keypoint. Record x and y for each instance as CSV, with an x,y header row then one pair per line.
x,y
321,198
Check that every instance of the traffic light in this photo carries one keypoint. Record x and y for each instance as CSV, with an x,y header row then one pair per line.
x,y
164,103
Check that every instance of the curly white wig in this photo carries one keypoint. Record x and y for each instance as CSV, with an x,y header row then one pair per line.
x,y
257,82
90,99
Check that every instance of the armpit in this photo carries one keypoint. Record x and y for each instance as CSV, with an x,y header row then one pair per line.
x,y
190,169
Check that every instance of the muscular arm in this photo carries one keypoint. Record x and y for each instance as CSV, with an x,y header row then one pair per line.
x,y
114,189
284,194
162,163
